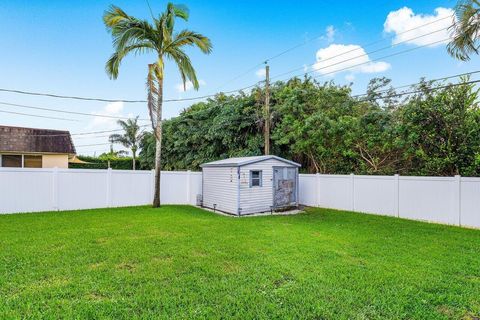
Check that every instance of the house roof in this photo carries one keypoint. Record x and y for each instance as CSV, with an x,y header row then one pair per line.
x,y
18,139
238,162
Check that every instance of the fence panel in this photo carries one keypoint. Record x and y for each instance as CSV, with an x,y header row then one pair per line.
x,y
195,186
34,190
447,200
335,191
130,189
429,199
470,202
81,189
307,186
24,190
375,194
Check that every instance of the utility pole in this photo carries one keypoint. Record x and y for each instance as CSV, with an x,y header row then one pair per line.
x,y
267,109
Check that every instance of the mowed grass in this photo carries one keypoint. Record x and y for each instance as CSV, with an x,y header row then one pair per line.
x,y
180,262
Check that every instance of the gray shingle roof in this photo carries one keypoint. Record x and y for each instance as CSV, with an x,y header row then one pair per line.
x,y
237,162
18,139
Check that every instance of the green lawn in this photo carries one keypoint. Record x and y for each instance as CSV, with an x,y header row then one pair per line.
x,y
186,263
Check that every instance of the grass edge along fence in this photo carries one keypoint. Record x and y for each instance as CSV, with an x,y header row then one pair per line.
x,y
445,200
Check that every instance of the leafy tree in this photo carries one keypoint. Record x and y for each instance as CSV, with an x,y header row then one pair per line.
x,y
130,138
441,129
377,143
465,30
312,123
327,130
132,35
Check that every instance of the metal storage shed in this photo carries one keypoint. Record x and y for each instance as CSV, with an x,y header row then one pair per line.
x,y
250,185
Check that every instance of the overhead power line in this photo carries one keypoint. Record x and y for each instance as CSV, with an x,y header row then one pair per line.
x,y
37,116
118,100
84,133
68,112
424,90
365,62
364,94
417,83
275,56
367,45
93,144
51,95
366,54
321,75
377,59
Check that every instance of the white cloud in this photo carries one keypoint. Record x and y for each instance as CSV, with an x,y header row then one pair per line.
x,y
353,58
189,85
330,33
261,73
401,22
111,109
350,77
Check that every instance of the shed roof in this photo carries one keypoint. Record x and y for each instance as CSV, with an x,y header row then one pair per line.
x,y
238,162
18,139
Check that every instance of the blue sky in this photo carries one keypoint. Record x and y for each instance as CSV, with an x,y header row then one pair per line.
x,y
61,47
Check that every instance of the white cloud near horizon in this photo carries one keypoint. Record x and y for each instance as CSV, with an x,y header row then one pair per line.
x,y
261,73
110,109
189,85
402,20
346,58
330,33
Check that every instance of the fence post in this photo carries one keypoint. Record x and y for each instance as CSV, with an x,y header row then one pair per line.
x,y
317,189
458,199
352,182
396,195
189,184
55,188
109,187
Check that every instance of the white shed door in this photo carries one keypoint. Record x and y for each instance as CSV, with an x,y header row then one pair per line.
x,y
284,186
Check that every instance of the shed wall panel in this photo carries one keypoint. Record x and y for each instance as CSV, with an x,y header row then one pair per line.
x,y
220,188
258,199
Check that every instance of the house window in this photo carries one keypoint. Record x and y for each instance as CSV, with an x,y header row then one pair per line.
x,y
30,161
11,161
255,178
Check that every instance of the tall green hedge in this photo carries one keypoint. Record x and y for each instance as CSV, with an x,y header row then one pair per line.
x,y
97,163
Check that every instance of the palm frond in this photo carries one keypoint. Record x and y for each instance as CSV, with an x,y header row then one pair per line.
x,y
114,15
153,94
184,65
131,136
191,38
118,138
465,30
113,64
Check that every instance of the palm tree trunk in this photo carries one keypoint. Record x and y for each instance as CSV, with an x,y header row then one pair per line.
x,y
158,151
134,157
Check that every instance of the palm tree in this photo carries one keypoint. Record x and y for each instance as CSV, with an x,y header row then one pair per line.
x,y
465,30
132,35
130,138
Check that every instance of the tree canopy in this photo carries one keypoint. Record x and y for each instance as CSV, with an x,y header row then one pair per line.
x,y
434,131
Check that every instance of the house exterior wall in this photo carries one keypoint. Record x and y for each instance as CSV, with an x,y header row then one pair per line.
x,y
258,199
55,160
220,187
48,160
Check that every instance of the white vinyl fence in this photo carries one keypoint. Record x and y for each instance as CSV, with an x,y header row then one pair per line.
x,y
33,190
447,200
